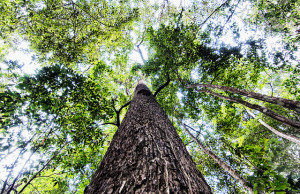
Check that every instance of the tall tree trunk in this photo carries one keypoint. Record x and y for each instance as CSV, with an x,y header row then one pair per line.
x,y
264,110
146,154
288,137
222,164
290,104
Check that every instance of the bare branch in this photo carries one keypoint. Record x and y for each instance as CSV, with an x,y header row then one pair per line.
x,y
221,163
232,12
113,100
179,18
162,86
288,137
124,106
290,104
213,13
264,110
271,88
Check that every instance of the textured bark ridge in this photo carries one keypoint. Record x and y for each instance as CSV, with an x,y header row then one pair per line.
x,y
146,155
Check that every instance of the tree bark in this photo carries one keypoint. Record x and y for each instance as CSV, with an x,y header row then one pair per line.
x,y
222,164
146,155
290,104
264,110
288,137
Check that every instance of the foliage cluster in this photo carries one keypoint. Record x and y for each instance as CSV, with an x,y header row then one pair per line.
x,y
56,124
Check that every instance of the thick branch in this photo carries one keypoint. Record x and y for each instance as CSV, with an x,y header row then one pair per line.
x,y
221,163
288,137
124,105
118,122
118,113
264,110
118,119
162,86
290,104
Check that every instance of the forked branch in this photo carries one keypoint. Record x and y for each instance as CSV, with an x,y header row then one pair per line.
x,y
118,112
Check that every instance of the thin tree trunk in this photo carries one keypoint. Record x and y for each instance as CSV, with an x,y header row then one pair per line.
x,y
141,54
264,110
288,137
290,104
146,155
221,163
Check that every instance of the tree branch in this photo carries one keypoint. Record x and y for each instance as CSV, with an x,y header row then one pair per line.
x,y
14,164
142,38
16,148
232,12
124,106
221,163
180,16
114,106
290,104
264,110
118,122
36,147
288,137
163,86
213,13
45,165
